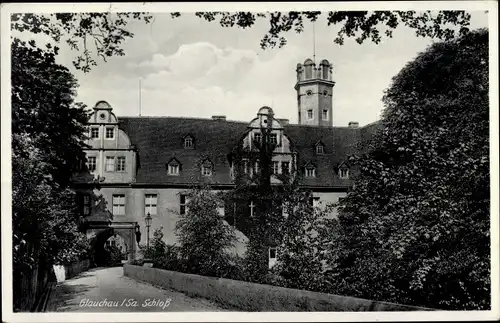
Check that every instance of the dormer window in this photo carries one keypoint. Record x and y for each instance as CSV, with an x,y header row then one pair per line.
x,y
173,167
344,171
188,142
320,148
257,137
310,170
206,168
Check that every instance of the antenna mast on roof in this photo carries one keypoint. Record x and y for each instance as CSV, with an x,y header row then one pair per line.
x,y
140,96
314,42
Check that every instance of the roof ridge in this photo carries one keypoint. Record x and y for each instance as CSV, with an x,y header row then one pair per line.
x,y
183,118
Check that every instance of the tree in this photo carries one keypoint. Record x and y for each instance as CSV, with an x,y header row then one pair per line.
x,y
100,34
301,253
415,227
360,24
89,34
205,239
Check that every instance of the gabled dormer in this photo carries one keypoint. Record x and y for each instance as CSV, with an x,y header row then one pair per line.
x,y
188,141
309,170
319,148
207,167
174,167
343,170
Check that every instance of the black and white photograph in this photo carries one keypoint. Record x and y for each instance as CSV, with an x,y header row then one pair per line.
x,y
250,161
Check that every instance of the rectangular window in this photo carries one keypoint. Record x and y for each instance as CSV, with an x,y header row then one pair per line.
x,y
220,210
325,115
310,172
110,133
94,133
276,167
231,170
273,138
173,169
119,204
150,203
110,164
314,201
251,206
92,163
245,166
285,167
86,205
182,202
284,210
320,149
120,164
272,253
257,137
309,114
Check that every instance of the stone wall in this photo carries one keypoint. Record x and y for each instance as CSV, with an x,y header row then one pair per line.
x,y
244,296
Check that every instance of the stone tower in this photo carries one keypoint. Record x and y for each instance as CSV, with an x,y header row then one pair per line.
x,y
314,93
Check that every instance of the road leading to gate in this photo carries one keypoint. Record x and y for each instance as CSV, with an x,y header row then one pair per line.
x,y
107,290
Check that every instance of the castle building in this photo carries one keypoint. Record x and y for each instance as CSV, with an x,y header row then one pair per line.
x,y
144,164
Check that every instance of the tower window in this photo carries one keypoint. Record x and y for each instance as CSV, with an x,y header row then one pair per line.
x,y
325,93
309,93
94,133
310,114
324,115
257,137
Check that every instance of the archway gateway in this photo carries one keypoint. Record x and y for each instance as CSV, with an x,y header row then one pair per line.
x,y
100,231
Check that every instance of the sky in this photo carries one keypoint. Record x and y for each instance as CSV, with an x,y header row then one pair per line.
x,y
188,67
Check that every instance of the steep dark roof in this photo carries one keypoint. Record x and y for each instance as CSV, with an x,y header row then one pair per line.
x,y
159,139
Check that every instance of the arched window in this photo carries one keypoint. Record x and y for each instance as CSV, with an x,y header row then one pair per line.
x,y
308,72
325,72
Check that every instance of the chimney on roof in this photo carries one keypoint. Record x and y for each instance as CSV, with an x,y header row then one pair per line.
x,y
220,118
353,124
284,122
